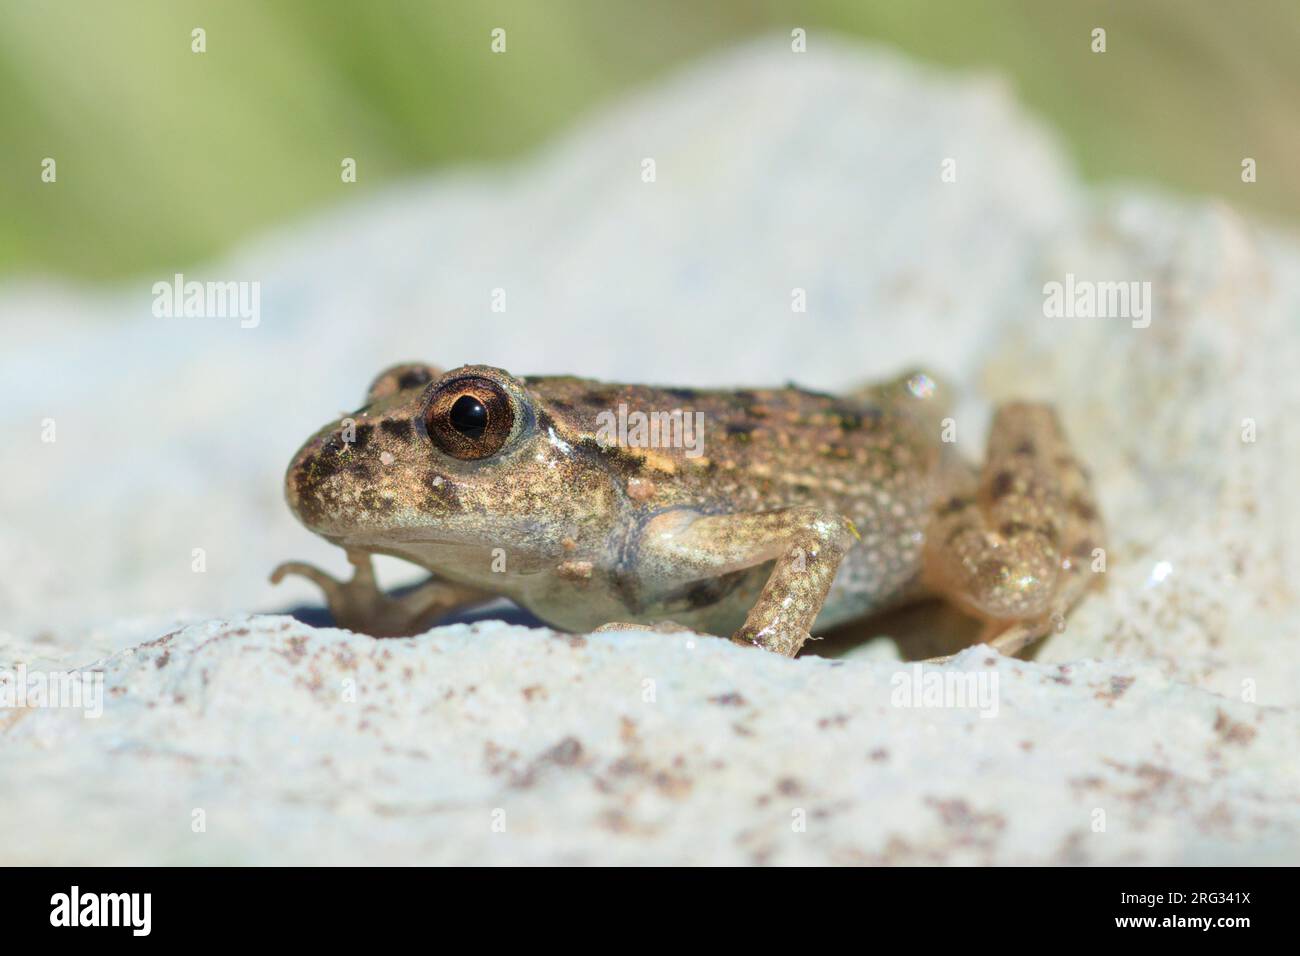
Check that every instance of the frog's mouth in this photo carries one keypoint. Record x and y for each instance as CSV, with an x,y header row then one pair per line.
x,y
394,542
451,559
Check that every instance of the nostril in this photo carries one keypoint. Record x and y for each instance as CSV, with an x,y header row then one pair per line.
x,y
361,436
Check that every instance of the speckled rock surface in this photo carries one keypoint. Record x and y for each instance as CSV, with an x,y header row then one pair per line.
x,y
486,743
1160,726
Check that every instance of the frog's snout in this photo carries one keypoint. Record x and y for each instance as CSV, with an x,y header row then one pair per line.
x,y
308,473
365,476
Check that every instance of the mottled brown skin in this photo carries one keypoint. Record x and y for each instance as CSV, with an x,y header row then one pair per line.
x,y
802,508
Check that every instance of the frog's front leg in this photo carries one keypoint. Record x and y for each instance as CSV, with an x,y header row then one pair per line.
x,y
806,544
359,604
1018,552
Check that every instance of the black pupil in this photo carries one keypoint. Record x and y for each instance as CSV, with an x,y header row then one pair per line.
x,y
469,417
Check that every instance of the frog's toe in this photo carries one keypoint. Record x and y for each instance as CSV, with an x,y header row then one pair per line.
x,y
322,579
340,596
785,641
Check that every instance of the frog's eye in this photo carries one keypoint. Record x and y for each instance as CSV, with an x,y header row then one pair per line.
x,y
470,418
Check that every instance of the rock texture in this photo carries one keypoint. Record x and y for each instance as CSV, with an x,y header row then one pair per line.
x,y
489,743
1160,726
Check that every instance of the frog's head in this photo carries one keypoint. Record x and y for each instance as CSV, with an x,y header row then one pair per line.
x,y
439,466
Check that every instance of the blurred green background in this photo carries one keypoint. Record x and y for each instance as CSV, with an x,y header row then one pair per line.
x,y
166,157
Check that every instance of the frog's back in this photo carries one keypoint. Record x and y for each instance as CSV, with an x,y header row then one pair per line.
x,y
863,455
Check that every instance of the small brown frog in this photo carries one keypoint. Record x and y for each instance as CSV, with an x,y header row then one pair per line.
x,y
754,513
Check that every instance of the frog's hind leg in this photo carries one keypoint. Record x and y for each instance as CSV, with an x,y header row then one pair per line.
x,y
1018,553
